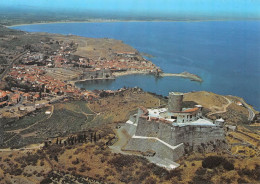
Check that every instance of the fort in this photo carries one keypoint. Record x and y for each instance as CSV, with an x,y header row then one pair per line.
x,y
90,74
171,132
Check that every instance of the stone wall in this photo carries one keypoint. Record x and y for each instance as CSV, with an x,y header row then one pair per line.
x,y
162,151
98,74
171,141
153,128
174,135
196,136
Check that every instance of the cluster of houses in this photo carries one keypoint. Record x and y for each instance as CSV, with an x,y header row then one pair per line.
x,y
8,98
3,98
31,82
122,61
125,61
36,78
34,89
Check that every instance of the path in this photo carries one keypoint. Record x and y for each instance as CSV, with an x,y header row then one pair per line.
x,y
155,138
123,137
224,108
24,148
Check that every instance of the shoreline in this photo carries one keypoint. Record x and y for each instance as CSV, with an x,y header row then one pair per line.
x,y
113,21
83,80
119,74
185,75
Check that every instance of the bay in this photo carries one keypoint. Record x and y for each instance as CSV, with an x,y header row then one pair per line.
x,y
226,54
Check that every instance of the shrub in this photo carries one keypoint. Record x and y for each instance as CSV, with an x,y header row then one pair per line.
x,y
228,165
254,173
17,172
122,160
46,181
150,180
160,171
214,161
75,162
174,173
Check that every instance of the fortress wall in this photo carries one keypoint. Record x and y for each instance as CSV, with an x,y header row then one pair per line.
x,y
130,129
174,135
132,118
99,74
162,151
195,135
152,128
147,128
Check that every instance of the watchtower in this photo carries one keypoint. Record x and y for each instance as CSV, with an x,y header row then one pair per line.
x,y
175,101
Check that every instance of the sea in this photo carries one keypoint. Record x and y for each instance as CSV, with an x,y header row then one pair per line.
x,y
225,54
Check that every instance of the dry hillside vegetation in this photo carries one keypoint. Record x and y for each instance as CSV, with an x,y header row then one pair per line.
x,y
118,108
96,48
93,162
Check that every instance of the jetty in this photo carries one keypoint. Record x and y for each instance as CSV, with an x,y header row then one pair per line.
x,y
187,75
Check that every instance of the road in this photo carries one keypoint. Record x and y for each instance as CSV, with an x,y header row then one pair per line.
x,y
251,114
224,108
11,65
32,147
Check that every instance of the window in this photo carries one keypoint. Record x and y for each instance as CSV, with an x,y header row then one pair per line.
x,y
173,117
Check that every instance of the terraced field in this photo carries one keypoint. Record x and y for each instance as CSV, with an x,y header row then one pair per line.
x,y
64,119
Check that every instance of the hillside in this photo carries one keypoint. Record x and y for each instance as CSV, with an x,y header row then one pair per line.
x,y
86,157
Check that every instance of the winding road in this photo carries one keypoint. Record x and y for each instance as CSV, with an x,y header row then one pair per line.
x,y
11,65
251,114
224,108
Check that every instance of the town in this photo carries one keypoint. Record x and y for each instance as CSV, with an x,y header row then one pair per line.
x,y
45,72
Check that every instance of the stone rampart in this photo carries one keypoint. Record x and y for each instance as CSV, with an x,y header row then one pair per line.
x,y
155,128
193,135
96,74
170,140
162,151
197,135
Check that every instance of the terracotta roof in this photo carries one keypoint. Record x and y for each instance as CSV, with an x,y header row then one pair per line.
x,y
2,94
191,110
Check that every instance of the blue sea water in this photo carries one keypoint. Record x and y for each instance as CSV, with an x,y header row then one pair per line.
x,y
226,54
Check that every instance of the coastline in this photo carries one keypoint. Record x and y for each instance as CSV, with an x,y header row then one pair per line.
x,y
185,75
112,21
83,80
118,74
